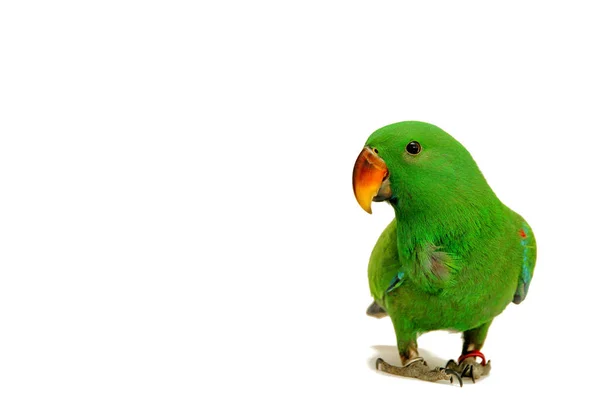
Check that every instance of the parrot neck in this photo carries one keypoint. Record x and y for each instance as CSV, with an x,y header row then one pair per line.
x,y
444,222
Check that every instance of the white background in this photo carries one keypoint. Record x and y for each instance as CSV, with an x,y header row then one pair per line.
x,y
176,212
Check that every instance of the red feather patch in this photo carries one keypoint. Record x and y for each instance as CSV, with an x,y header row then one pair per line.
x,y
522,233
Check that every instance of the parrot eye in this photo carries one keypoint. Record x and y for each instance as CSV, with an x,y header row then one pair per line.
x,y
413,147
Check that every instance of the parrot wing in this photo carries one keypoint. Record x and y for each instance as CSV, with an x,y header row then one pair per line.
x,y
529,255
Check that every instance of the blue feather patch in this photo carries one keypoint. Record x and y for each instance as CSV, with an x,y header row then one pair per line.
x,y
396,282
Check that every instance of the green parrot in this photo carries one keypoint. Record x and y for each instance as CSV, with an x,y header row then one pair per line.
x,y
453,257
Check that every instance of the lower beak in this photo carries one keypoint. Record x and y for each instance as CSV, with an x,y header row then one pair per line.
x,y
370,179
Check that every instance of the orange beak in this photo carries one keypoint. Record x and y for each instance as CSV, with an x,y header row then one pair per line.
x,y
367,178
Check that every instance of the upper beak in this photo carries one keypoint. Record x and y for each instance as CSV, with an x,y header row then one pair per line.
x,y
370,179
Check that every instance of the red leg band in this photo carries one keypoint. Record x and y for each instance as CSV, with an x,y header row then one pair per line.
x,y
474,353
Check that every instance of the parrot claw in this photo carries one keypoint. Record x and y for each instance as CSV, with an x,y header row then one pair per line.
x,y
417,368
468,372
470,368
452,372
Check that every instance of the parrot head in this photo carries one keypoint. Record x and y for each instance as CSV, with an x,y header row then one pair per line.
x,y
416,165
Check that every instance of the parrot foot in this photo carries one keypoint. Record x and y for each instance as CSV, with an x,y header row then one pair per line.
x,y
469,367
417,368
